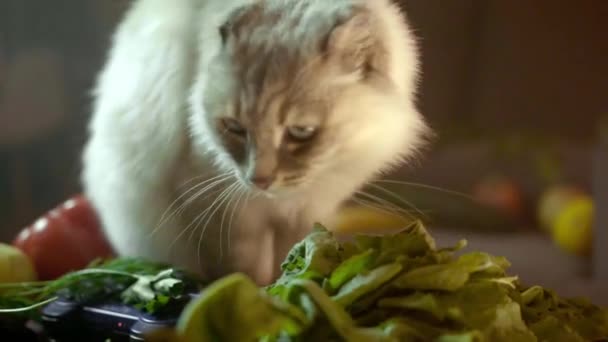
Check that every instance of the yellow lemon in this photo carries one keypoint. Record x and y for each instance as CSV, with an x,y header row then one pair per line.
x,y
553,201
360,220
15,266
573,226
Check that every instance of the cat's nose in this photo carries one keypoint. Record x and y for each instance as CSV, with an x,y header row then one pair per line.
x,y
262,182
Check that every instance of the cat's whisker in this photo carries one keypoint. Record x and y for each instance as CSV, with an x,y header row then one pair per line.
x,y
425,186
242,193
242,190
200,217
375,206
393,210
204,175
219,177
386,207
399,198
211,183
231,201
388,204
164,217
256,193
210,217
383,204
201,192
193,225
209,187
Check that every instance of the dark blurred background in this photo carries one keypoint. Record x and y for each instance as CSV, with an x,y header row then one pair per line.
x,y
515,88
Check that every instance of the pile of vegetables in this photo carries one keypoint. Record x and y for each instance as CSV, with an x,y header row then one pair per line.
x,y
386,288
394,287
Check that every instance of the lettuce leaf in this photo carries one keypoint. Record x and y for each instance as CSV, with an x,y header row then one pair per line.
x,y
234,309
397,287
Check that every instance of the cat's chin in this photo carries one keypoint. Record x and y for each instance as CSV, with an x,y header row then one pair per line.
x,y
272,193
277,192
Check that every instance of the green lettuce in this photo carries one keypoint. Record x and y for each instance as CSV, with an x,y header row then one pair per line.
x,y
397,287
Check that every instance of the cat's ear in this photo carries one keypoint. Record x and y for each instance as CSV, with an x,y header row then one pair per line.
x,y
353,43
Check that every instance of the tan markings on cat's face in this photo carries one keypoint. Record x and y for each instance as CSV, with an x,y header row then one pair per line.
x,y
275,140
275,110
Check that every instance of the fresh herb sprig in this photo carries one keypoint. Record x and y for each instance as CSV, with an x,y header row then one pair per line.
x,y
152,287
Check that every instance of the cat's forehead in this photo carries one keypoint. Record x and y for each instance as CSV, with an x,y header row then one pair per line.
x,y
283,30
275,54
280,103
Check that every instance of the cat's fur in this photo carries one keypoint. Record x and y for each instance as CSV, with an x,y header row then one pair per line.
x,y
176,68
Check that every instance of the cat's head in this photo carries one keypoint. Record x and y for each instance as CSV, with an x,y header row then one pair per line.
x,y
305,93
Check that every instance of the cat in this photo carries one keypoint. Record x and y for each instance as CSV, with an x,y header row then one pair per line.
x,y
223,130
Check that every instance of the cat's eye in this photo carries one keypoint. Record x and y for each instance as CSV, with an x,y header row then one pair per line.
x,y
233,126
301,133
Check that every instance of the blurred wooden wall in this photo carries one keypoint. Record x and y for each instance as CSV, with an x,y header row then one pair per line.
x,y
506,64
504,69
49,54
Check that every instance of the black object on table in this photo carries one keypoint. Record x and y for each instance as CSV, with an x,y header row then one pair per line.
x,y
19,330
64,320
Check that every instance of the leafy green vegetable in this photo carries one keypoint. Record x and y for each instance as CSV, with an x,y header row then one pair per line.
x,y
339,319
154,292
366,282
350,268
452,275
474,336
234,309
397,287
315,258
544,310
412,242
391,288
447,277
149,286
417,301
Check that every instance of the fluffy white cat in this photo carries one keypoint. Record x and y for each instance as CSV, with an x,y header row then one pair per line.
x,y
222,130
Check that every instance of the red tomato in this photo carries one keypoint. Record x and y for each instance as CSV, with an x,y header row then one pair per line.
x,y
67,238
